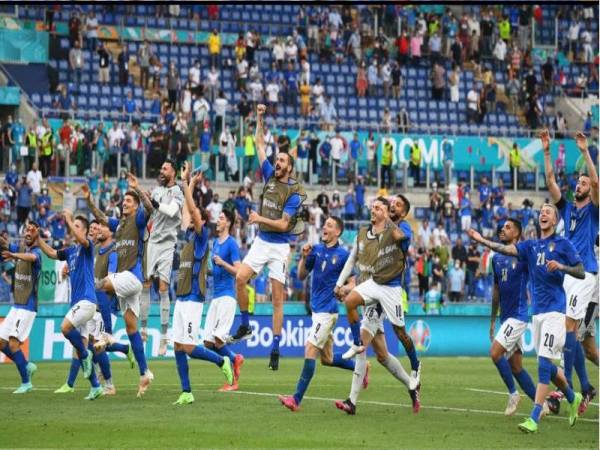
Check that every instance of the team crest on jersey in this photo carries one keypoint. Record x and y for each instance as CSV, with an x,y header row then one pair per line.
x,y
334,260
514,263
551,246
271,186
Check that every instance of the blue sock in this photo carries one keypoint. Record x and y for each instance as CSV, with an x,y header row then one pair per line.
x,y
73,371
19,359
355,328
138,350
225,351
201,352
569,395
569,355
526,383
579,365
535,413
412,355
104,364
276,340
245,318
504,368
183,370
118,347
94,379
342,363
74,337
6,351
308,371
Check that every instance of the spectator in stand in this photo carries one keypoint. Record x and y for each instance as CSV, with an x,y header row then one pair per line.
x,y
130,107
144,56
272,90
173,84
201,110
212,84
456,278
487,219
457,52
116,141
136,149
435,47
403,46
123,63
386,164
362,82
278,52
373,78
573,38
244,108
302,150
227,143
194,77
513,89
416,42
304,98
103,63
515,164
328,114
155,72
251,42
415,162
438,81
75,28
242,205
500,50
325,154
317,92
448,213
473,259
24,200
249,153
214,48
64,102
354,48
256,91
75,63
91,31
548,75
291,51
221,105
465,212
16,138
290,85
34,180
473,106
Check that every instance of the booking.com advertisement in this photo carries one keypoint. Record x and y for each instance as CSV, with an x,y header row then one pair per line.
x,y
432,335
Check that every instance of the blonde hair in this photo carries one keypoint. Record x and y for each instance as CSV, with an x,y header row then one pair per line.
x,y
555,209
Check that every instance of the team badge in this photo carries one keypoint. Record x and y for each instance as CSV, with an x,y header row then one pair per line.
x,y
514,263
334,260
551,246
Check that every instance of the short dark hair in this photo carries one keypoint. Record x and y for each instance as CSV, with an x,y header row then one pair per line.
x,y
133,195
94,221
383,200
516,223
34,223
406,203
84,221
339,223
230,216
171,162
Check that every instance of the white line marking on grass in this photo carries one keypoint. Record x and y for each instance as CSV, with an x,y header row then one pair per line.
x,y
502,393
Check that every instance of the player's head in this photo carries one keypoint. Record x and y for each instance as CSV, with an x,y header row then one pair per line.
x,y
225,221
380,209
103,233
131,202
284,165
93,231
399,207
332,229
549,217
510,231
32,231
583,188
81,224
167,174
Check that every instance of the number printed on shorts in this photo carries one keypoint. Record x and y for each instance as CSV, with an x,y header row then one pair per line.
x,y
508,330
398,311
189,327
549,340
17,324
75,309
573,301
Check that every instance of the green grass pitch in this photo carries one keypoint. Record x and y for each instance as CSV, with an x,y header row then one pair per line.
x,y
463,402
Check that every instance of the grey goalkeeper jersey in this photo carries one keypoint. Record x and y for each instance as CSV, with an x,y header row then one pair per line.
x,y
165,228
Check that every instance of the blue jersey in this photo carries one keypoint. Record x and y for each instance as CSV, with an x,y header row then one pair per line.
x,y
326,264
547,287
81,271
484,193
581,228
405,227
102,297
223,281
31,304
200,249
511,276
290,208
140,221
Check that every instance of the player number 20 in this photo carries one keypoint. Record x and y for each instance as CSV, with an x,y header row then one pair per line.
x,y
541,259
549,340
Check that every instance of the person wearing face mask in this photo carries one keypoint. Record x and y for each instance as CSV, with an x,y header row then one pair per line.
x,y
456,278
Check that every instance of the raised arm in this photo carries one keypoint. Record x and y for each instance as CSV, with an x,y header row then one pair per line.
x,y
510,250
28,257
99,215
189,200
281,225
581,141
146,201
302,271
549,170
259,136
49,251
347,270
397,233
495,305
79,235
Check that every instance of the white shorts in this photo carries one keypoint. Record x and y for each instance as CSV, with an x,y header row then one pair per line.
x,y
96,326
549,334
219,318
372,321
80,314
321,329
510,335
159,262
389,297
587,327
302,165
465,222
274,256
186,322
128,289
17,324
579,293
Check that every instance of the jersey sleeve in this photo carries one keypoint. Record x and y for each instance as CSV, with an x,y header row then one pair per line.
x,y
568,254
234,251
112,262
309,264
63,255
406,229
13,248
292,205
494,271
38,258
267,170
140,218
113,224
523,249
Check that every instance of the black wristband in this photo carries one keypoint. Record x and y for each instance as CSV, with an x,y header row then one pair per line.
x,y
155,204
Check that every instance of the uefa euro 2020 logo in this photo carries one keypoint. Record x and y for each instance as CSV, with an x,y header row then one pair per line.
x,y
421,335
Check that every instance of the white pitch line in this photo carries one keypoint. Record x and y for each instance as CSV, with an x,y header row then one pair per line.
x,y
503,393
